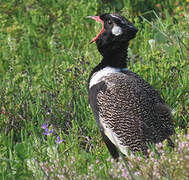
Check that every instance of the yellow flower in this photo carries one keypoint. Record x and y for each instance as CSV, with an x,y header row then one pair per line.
x,y
178,8
187,0
8,29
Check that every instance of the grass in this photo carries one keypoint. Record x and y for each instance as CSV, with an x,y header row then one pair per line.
x,y
45,61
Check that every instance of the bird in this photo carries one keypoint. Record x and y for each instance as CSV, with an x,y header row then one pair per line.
x,y
129,112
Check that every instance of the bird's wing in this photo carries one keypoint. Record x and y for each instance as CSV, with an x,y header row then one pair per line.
x,y
92,94
130,112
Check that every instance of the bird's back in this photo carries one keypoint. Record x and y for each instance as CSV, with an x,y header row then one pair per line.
x,y
130,111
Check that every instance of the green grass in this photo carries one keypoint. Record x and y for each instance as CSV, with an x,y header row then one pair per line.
x,y
45,61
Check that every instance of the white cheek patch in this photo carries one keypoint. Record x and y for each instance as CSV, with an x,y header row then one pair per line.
x,y
116,30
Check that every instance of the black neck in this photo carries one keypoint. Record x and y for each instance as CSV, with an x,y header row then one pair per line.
x,y
116,59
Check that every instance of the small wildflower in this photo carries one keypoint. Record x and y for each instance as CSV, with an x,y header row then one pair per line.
x,y
137,173
112,160
174,111
91,168
152,43
152,154
97,161
181,145
44,126
159,145
47,132
187,136
58,140
73,159
124,173
178,8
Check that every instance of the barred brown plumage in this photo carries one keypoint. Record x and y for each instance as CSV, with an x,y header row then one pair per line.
x,y
136,110
129,112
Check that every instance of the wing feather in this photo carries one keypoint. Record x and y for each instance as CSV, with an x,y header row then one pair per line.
x,y
130,112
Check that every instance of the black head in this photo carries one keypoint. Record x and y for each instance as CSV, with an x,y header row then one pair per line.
x,y
116,33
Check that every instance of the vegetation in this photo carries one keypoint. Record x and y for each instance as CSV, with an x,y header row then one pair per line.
x,y
47,130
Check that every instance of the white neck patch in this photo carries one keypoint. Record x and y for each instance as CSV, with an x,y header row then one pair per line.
x,y
96,77
116,30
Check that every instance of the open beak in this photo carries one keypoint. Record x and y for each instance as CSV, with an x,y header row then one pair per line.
x,y
97,18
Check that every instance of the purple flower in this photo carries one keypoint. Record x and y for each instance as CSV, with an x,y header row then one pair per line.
x,y
47,132
44,126
58,141
124,173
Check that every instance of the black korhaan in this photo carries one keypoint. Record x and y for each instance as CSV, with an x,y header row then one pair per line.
x,y
128,111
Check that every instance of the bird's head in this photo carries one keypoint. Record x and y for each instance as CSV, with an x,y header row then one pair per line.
x,y
116,32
